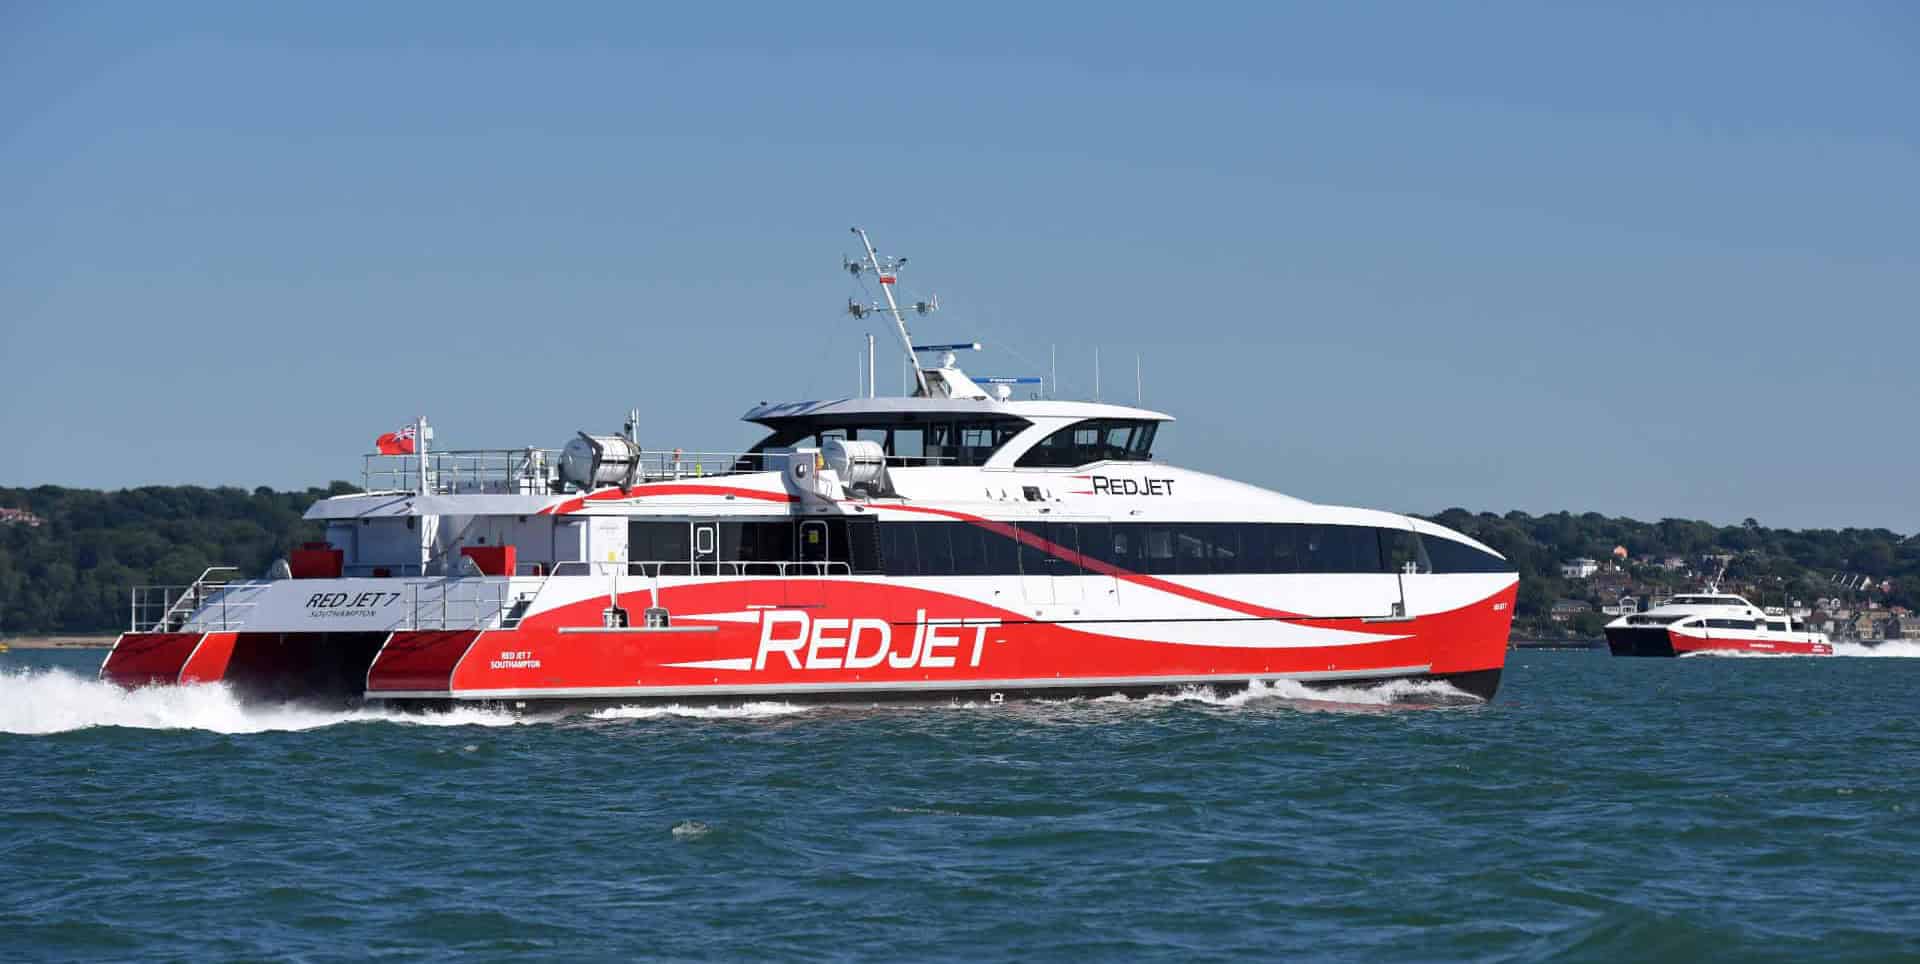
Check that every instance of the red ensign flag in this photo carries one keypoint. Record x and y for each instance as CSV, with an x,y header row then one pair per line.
x,y
396,443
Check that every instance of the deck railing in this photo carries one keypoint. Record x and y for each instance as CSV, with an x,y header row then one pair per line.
x,y
218,603
215,602
536,471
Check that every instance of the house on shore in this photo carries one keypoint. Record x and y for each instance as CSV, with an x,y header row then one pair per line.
x,y
1579,568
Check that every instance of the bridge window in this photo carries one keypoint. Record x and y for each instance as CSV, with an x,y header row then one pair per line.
x,y
909,438
1093,440
1451,556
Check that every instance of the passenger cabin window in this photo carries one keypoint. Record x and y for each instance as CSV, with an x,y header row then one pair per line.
x,y
1093,440
787,547
1063,548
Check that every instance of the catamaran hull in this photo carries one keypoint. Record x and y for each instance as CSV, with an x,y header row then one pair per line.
x,y
1657,641
847,643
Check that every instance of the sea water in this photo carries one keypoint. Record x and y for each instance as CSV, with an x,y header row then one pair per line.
x,y
1598,809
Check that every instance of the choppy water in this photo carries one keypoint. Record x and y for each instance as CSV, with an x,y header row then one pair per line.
x,y
1600,809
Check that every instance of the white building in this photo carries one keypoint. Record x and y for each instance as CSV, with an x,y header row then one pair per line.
x,y
1579,568
1626,606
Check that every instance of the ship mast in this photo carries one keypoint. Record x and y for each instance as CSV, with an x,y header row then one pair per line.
x,y
888,270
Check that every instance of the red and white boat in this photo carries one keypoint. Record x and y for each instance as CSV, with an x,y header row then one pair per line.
x,y
956,543
1711,621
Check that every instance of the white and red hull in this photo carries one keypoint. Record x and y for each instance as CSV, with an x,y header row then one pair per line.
x,y
1669,641
853,639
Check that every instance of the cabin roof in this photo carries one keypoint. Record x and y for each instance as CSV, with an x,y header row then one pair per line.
x,y
1028,409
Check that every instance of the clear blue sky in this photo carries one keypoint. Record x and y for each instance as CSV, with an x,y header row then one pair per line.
x,y
1647,261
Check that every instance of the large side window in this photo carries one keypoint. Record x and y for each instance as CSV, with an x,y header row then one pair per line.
x,y
969,550
669,542
1003,554
1327,548
756,541
1033,559
899,550
863,546
1156,549
1096,541
935,547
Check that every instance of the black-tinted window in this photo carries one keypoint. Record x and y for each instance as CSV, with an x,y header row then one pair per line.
x,y
969,553
1337,548
935,545
1163,549
1033,559
863,545
658,542
1451,556
1065,552
1403,552
756,541
1156,549
899,550
1001,553
1096,541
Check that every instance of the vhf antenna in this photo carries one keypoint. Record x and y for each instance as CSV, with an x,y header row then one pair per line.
x,y
889,270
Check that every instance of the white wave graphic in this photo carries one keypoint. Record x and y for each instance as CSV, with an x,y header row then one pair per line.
x,y
743,711
56,701
1741,654
1892,649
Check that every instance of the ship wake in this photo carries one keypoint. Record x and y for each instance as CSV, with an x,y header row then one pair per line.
x,y
1405,694
1892,649
57,701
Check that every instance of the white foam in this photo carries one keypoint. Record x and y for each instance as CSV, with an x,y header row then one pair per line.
x,y
1390,693
56,701
1892,649
742,711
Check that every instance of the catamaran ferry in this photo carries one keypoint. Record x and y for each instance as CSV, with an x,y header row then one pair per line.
x,y
955,543
1712,622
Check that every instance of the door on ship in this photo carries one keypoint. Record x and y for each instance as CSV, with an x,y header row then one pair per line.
x,y
1051,553
706,549
1403,555
815,547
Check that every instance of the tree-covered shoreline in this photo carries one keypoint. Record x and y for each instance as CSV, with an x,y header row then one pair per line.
x,y
71,572
1771,567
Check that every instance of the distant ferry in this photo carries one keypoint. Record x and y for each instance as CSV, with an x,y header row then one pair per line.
x,y
955,543
1710,622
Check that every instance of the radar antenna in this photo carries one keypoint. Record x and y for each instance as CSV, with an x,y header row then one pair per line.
x,y
889,271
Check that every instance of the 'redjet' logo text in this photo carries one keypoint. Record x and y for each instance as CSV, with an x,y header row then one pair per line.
x,y
347,600
808,643
1111,486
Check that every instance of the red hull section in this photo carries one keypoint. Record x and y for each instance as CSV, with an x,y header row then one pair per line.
x,y
810,637
419,661
1684,645
148,659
